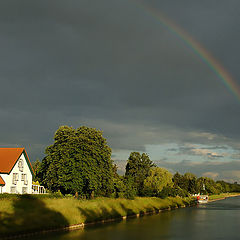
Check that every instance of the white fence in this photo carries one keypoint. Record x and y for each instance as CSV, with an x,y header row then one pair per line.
x,y
37,189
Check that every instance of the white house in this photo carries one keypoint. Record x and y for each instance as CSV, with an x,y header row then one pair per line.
x,y
16,171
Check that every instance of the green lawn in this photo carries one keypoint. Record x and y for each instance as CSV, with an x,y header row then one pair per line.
x,y
222,195
29,213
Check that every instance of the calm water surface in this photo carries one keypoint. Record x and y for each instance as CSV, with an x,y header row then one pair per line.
x,y
216,220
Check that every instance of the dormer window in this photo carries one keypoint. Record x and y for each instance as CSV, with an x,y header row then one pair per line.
x,y
20,165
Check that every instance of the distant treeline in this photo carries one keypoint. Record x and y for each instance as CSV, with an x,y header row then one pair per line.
x,y
79,162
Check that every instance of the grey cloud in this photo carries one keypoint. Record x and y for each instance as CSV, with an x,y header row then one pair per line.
x,y
216,147
211,155
235,155
109,65
221,170
172,149
190,149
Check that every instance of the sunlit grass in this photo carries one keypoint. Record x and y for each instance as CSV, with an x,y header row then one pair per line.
x,y
34,214
77,211
222,195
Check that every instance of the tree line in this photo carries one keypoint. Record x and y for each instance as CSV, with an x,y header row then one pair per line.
x,y
79,162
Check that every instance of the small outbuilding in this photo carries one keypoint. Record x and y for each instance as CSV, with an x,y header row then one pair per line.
x,y
16,171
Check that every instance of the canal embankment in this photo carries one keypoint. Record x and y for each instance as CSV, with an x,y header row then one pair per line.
x,y
26,214
217,220
30,214
222,196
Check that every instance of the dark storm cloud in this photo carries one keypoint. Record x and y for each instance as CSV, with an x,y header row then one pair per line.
x,y
110,65
213,23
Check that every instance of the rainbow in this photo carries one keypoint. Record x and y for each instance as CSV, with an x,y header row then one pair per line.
x,y
196,47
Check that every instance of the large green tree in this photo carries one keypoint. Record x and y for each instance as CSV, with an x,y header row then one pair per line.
x,y
180,181
192,183
187,182
208,186
137,169
158,179
79,161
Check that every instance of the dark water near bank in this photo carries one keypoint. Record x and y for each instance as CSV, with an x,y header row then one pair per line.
x,y
216,220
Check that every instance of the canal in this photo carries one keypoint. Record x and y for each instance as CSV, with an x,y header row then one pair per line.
x,y
215,220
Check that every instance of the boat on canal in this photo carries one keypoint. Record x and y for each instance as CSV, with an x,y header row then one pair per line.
x,y
202,199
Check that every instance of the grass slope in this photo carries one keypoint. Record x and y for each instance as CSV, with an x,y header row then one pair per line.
x,y
222,195
24,214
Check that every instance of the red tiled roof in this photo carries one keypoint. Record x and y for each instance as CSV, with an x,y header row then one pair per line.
x,y
2,181
8,158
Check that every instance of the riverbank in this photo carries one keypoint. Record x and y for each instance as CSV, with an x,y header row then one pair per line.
x,y
213,221
31,214
222,196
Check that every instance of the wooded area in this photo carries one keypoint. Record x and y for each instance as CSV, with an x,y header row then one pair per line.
x,y
79,162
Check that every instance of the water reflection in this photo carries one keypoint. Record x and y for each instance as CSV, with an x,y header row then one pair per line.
x,y
216,220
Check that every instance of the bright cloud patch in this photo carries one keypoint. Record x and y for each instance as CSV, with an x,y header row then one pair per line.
x,y
212,175
206,153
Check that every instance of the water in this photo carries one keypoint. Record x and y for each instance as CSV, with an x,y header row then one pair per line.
x,y
216,220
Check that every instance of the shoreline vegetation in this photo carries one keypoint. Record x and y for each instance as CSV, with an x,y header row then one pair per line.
x,y
26,214
68,213
54,212
84,187
222,196
79,163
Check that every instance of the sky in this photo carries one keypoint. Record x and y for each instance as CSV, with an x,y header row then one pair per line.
x,y
115,66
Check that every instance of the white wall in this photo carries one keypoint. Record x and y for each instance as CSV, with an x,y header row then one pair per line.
x,y
8,178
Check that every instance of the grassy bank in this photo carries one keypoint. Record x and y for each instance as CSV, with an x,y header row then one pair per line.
x,y
25,214
222,196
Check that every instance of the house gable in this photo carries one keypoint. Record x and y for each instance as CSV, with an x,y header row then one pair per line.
x,y
18,176
10,156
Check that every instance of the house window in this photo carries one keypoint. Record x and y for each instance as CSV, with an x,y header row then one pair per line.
x,y
20,165
24,190
24,178
13,189
15,178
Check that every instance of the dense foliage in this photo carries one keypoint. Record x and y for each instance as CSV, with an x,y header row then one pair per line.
x,y
187,182
137,169
78,162
150,180
157,179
